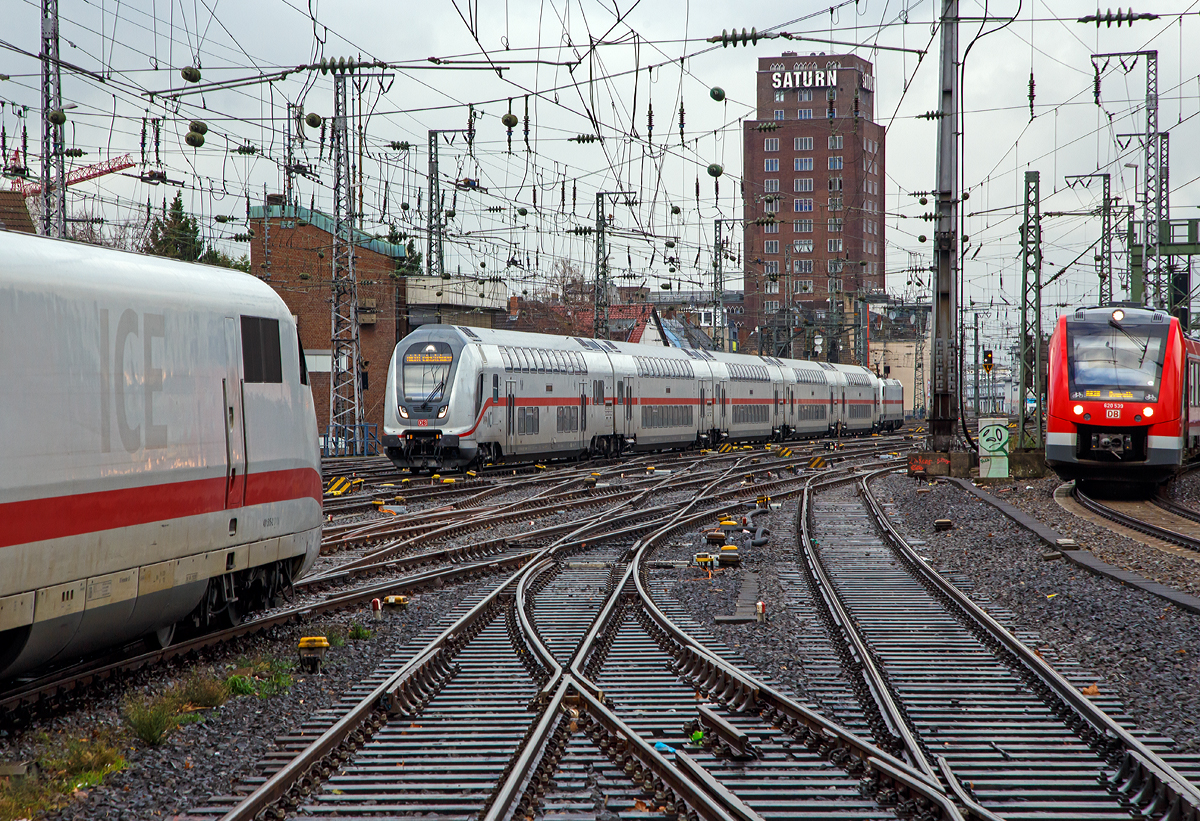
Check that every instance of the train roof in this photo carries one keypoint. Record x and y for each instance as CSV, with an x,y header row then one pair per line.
x,y
1129,314
74,269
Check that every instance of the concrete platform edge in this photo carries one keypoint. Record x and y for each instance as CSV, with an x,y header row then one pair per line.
x,y
1082,558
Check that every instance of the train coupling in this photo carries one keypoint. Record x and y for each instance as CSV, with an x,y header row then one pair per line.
x,y
1114,443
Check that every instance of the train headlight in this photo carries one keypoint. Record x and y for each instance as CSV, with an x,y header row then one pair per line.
x,y
1148,411
403,411
442,411
1078,409
1118,315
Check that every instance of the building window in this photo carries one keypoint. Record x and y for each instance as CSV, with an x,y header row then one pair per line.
x,y
802,246
802,266
805,114
779,113
835,163
834,266
802,143
835,245
831,95
771,164
771,269
835,286
835,183
771,144
779,96
802,286
804,95
802,226
834,227
771,228
802,205
835,203
771,246
803,164
835,142
802,184
770,306
771,186
771,205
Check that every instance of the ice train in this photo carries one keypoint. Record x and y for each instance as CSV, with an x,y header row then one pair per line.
x,y
158,449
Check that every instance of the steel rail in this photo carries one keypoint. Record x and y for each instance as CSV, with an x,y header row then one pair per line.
x,y
1158,531
742,691
1141,771
896,728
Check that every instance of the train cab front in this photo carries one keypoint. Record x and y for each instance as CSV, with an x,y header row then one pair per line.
x,y
1114,409
419,430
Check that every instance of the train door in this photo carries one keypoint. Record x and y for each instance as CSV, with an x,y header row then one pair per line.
x,y
627,406
583,428
234,423
724,400
510,416
776,410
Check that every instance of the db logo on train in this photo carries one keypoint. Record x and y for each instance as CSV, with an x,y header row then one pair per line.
x,y
423,423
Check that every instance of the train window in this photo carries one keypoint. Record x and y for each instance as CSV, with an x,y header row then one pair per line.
x,y
495,387
597,391
261,358
303,363
479,395
620,390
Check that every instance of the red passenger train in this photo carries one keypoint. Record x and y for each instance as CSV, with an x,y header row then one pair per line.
x,y
1123,403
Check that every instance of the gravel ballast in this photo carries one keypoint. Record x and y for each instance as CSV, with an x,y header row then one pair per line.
x,y
208,757
1135,643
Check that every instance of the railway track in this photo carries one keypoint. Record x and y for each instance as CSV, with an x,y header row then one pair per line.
x,y
1156,517
565,688
432,557
959,698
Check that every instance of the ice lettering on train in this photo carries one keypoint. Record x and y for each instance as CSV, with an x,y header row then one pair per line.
x,y
121,375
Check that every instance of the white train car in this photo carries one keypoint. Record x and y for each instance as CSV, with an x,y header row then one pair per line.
x,y
891,398
158,448
459,394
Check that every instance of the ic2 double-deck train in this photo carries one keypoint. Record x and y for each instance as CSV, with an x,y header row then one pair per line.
x,y
1123,402
457,395
158,449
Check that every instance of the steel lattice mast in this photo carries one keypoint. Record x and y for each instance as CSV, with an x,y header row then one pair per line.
x,y
346,434
54,184
944,355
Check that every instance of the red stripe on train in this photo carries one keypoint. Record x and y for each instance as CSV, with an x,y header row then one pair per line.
x,y
58,517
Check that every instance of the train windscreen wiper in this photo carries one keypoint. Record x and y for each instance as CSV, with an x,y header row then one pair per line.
x,y
1141,342
437,389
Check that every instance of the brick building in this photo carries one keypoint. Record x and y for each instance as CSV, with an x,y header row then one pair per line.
x,y
292,250
813,194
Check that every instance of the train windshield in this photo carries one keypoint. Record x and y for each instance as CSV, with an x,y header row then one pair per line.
x,y
1116,361
426,372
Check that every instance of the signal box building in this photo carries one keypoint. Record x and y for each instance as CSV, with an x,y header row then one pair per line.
x,y
814,187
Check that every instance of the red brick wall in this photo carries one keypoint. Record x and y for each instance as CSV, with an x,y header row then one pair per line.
x,y
300,272
858,206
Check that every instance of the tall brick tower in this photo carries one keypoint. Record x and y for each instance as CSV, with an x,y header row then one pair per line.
x,y
813,197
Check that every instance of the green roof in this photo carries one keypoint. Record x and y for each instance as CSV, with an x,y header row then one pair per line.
x,y
326,223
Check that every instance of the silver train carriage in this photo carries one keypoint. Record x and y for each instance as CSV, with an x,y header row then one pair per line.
x,y
458,395
158,449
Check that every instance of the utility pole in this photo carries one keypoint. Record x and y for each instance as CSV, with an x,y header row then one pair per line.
x,y
54,178
975,375
1029,426
719,324
601,300
944,356
1153,286
1104,267
346,434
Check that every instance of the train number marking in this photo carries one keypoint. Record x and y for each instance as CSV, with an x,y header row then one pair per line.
x,y
272,522
1112,413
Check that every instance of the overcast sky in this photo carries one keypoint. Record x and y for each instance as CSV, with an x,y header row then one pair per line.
x,y
584,61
